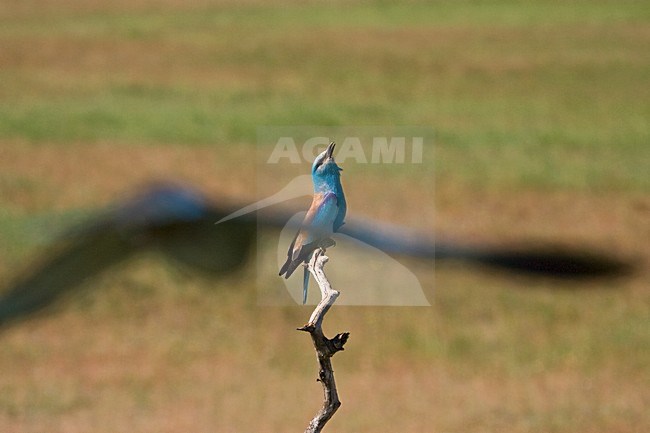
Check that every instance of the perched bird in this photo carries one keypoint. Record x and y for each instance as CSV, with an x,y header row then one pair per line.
x,y
324,217
179,222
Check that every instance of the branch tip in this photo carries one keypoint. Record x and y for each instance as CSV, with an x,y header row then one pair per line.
x,y
325,348
307,328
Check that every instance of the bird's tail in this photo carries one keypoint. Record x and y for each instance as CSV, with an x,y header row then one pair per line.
x,y
305,285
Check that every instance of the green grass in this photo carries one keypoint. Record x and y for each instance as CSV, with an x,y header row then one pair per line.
x,y
559,90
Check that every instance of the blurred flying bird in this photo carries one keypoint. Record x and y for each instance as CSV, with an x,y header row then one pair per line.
x,y
324,217
180,222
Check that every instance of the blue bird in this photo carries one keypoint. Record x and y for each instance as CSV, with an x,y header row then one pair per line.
x,y
178,221
324,217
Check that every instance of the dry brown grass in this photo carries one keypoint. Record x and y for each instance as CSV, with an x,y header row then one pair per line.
x,y
42,177
150,349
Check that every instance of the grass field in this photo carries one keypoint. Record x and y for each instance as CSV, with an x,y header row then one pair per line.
x,y
542,119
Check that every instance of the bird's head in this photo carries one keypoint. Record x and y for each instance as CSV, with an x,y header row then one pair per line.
x,y
324,165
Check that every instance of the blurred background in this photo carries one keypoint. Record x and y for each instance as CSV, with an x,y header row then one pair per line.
x,y
542,119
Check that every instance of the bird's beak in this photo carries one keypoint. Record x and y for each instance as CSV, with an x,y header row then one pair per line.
x,y
330,149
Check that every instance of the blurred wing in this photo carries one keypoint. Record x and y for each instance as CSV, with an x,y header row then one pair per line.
x,y
544,260
174,219
180,222
64,270
202,245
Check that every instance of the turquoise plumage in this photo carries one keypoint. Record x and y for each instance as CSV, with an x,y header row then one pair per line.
x,y
324,217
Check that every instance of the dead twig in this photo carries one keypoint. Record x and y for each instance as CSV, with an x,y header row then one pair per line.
x,y
325,347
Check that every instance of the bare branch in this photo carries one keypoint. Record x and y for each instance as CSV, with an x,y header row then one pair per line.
x,y
325,348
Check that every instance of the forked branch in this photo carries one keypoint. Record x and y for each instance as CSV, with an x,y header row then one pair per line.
x,y
325,347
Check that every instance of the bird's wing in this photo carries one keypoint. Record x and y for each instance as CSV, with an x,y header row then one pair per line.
x,y
322,212
67,267
318,221
171,218
545,260
180,222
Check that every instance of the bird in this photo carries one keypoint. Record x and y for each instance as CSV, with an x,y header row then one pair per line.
x,y
177,220
325,216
